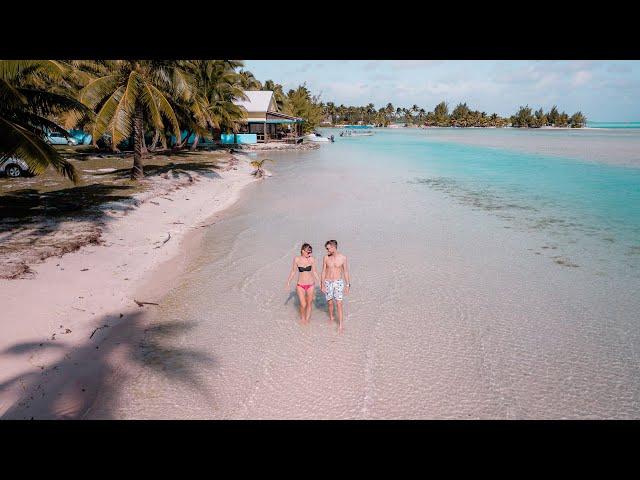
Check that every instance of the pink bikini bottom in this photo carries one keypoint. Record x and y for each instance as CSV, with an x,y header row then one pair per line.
x,y
306,287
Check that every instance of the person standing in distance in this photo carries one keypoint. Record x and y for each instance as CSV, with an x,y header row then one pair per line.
x,y
335,272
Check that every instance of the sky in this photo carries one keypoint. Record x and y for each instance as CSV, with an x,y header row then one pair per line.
x,y
602,90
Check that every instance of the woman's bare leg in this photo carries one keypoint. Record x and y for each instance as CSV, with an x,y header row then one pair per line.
x,y
310,294
303,303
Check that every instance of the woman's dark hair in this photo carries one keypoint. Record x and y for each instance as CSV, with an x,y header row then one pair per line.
x,y
306,246
332,242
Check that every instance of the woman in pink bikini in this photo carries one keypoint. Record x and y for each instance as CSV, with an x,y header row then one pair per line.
x,y
306,266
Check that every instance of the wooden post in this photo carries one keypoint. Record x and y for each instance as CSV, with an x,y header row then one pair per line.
x,y
266,133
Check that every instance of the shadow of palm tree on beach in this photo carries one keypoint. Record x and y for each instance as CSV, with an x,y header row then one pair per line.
x,y
89,375
26,203
174,168
38,222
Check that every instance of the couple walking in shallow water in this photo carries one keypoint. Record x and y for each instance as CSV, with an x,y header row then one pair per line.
x,y
334,280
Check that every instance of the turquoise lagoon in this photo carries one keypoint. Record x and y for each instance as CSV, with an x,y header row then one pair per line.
x,y
580,187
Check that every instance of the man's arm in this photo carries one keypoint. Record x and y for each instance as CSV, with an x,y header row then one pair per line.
x,y
345,269
323,274
314,270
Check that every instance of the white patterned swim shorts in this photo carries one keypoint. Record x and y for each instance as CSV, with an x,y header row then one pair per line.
x,y
334,289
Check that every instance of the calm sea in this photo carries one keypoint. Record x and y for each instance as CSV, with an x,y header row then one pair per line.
x,y
495,274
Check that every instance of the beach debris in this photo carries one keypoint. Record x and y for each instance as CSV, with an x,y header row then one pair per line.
x,y
98,328
140,304
84,269
168,238
155,203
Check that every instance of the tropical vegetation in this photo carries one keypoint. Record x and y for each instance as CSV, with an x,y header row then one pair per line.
x,y
28,109
461,116
151,104
258,165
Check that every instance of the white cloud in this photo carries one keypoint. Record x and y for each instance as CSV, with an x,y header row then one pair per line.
x,y
581,77
403,64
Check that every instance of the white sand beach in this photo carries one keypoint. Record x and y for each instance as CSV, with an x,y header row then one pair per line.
x,y
64,325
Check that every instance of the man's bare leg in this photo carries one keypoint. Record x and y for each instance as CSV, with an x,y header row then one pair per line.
x,y
331,311
339,304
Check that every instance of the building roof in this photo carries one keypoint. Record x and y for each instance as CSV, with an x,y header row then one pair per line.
x,y
284,116
257,100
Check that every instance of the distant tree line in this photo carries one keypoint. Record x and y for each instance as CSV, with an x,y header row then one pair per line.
x,y
461,116
525,118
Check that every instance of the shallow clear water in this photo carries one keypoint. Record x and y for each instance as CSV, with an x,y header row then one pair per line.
x,y
487,283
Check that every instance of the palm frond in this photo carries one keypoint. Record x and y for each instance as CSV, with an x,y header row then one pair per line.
x,y
20,142
165,109
106,113
96,90
123,115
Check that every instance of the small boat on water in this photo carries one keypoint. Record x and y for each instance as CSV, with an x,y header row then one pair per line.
x,y
356,133
316,137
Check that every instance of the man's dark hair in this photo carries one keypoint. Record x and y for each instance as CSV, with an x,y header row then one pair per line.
x,y
331,242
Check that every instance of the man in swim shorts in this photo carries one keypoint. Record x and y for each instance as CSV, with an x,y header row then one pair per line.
x,y
334,281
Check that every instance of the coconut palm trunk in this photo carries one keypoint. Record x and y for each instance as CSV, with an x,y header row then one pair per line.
x,y
154,143
137,172
194,145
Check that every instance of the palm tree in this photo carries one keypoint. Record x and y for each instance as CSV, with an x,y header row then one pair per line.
x,y
211,107
26,113
330,109
257,164
278,93
421,115
300,103
577,120
126,92
441,113
553,116
414,110
248,81
523,117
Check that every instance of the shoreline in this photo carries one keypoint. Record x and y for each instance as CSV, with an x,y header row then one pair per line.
x,y
60,351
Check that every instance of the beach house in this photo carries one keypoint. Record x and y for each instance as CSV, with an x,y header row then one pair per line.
x,y
264,123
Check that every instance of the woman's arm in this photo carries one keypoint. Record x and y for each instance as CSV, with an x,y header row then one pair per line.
x,y
291,273
314,270
324,261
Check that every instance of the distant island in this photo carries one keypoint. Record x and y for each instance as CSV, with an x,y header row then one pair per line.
x,y
461,116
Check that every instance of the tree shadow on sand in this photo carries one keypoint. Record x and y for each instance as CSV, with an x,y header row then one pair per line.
x,y
89,375
28,203
175,169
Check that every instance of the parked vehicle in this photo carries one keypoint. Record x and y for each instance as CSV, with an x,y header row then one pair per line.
x,y
58,138
105,142
82,137
14,167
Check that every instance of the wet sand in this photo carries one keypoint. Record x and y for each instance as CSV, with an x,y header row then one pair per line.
x,y
452,313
